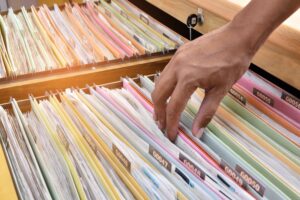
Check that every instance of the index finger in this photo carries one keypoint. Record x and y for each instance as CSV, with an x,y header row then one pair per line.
x,y
163,89
176,105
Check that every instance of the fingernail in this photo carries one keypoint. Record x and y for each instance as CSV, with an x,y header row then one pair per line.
x,y
199,133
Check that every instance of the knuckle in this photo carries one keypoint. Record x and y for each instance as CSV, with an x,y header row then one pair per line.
x,y
188,83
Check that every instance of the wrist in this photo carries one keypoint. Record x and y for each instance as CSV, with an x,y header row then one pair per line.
x,y
250,35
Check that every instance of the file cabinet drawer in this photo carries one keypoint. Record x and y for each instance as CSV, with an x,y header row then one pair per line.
x,y
106,71
110,72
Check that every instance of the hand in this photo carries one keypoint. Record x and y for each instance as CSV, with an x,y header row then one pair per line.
x,y
213,62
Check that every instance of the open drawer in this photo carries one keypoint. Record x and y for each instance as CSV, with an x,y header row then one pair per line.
x,y
110,72
127,115
144,47
106,71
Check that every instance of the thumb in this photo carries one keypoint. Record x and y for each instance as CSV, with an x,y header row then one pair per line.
x,y
208,108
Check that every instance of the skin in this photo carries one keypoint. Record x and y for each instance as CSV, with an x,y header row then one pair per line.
x,y
215,62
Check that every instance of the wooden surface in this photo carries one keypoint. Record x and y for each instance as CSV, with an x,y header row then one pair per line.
x,y
280,55
292,21
20,89
7,189
51,2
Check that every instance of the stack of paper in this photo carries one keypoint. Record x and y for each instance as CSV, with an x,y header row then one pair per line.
x,y
251,149
99,143
42,39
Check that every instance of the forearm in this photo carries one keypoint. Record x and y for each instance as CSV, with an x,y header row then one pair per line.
x,y
259,19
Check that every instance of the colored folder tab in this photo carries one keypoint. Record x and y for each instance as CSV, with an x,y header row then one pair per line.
x,y
273,89
238,104
289,124
160,187
260,124
264,92
183,142
120,129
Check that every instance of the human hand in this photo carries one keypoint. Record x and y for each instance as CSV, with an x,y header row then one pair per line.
x,y
213,62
